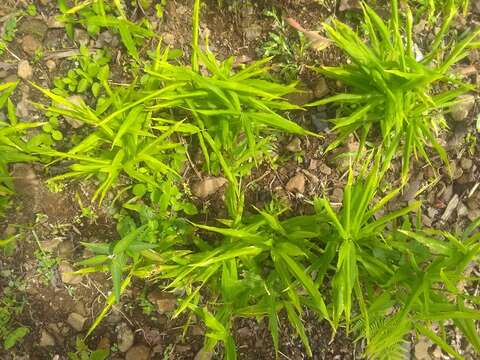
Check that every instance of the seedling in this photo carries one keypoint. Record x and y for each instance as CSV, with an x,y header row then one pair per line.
x,y
287,53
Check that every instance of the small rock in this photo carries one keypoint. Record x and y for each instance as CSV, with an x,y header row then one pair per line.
x,y
76,321
24,106
432,212
104,343
197,330
426,221
106,38
473,214
75,100
125,337
296,184
51,65
208,186
66,273
203,355
169,39
183,348
32,26
349,5
163,301
411,189
50,245
303,96
54,23
461,109
253,32
295,145
466,163
138,352
314,164
421,350
337,195
452,205
462,210
320,122
325,170
321,88
447,193
30,44
46,339
65,249
25,71
81,36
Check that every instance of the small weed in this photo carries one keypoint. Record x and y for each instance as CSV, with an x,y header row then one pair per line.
x,y
10,308
46,265
87,76
288,54
84,353
107,14
147,307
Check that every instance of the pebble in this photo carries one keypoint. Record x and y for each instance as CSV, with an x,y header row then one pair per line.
x,y
169,39
473,214
349,5
461,109
75,100
104,343
452,205
125,337
337,195
65,249
66,273
296,184
25,71
46,339
253,32
81,36
138,352
466,163
462,210
203,355
76,321
208,186
51,65
321,88
421,350
295,145
164,302
30,44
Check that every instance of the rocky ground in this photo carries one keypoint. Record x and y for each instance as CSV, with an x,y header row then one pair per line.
x,y
58,307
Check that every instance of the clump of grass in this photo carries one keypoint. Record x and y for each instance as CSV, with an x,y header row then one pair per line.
x,y
391,278
391,89
97,15
13,148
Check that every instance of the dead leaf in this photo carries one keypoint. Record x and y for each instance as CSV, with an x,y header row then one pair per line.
x,y
317,41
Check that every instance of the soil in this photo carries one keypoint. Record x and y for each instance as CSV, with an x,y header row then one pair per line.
x,y
52,222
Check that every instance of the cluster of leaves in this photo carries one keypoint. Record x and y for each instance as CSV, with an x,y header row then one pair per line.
x,y
97,15
287,53
10,307
84,353
86,76
9,27
431,7
13,148
391,89
384,276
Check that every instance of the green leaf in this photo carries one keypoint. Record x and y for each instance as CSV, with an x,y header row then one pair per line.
x,y
13,337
